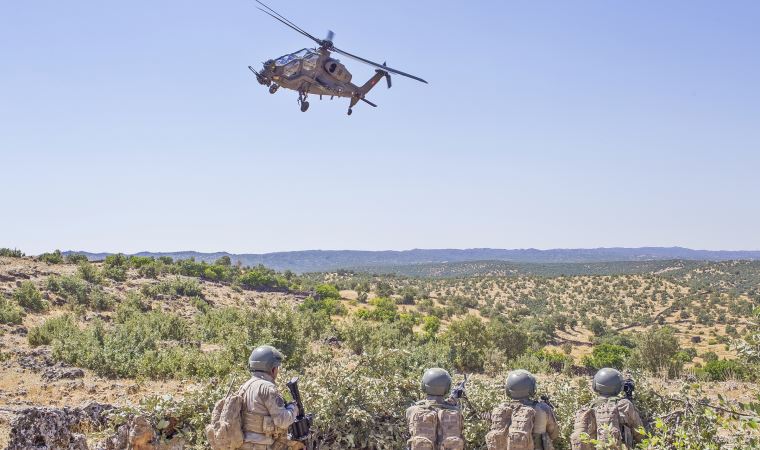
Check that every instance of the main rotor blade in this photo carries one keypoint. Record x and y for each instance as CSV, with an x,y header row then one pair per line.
x,y
287,22
380,66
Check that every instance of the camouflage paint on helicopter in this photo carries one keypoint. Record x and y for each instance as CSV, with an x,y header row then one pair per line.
x,y
315,71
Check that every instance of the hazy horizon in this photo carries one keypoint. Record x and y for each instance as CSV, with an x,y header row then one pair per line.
x,y
395,250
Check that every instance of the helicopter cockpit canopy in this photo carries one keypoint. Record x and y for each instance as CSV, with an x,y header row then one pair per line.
x,y
304,60
284,60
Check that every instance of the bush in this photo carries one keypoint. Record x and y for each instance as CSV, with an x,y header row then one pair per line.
x,y
330,306
607,355
725,369
263,279
76,258
656,349
29,297
178,287
10,313
327,291
14,253
115,267
78,292
150,270
468,339
51,258
89,272
385,310
507,338
709,356
56,328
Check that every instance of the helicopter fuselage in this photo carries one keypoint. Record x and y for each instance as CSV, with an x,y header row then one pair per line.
x,y
310,71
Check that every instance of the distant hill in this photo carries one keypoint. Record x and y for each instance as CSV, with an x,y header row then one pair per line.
x,y
323,260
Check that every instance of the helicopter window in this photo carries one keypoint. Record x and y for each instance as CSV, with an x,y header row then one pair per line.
x,y
310,62
291,68
331,67
283,60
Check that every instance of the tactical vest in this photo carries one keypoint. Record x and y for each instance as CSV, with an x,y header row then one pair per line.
x,y
513,427
601,421
258,428
434,426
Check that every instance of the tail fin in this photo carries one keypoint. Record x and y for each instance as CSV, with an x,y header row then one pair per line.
x,y
373,81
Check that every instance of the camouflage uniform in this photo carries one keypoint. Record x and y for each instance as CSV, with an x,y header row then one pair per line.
x,y
627,416
265,415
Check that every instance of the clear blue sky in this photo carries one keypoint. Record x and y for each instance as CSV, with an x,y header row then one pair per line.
x,y
127,126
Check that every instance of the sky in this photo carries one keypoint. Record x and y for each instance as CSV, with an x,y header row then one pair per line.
x,y
130,126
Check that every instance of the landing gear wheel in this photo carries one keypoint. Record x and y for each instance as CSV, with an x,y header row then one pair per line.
x,y
350,111
273,88
304,106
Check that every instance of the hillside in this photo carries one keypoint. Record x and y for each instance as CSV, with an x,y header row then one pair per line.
x,y
324,260
159,340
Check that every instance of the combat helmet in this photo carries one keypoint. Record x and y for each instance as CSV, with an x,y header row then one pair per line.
x,y
264,358
608,382
436,381
521,384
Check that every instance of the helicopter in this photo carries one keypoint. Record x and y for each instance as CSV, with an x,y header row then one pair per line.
x,y
314,71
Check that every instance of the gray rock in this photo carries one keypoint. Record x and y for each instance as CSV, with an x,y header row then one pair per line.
x,y
56,428
61,373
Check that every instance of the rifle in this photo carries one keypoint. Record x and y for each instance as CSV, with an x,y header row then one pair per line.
x,y
459,389
628,388
300,430
545,398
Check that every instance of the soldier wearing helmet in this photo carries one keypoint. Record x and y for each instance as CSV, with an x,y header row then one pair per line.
x,y
435,422
610,418
265,415
522,423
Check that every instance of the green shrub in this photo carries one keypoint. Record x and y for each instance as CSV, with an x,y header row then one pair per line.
x,y
115,267
14,253
385,310
136,262
607,355
89,272
507,338
656,349
330,306
725,369
51,258
10,313
262,278
179,287
468,339
56,328
709,356
29,297
78,292
327,291
150,270
76,258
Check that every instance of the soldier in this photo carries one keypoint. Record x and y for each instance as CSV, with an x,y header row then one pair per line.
x,y
522,423
609,419
435,423
265,416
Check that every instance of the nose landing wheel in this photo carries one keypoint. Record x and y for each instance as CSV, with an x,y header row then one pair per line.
x,y
273,88
304,106
350,111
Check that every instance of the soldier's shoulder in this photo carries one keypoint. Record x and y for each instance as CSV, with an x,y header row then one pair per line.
x,y
626,403
543,406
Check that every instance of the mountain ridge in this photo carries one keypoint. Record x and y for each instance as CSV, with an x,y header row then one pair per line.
x,y
323,260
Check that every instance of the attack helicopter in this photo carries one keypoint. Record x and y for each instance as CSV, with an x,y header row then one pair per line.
x,y
314,70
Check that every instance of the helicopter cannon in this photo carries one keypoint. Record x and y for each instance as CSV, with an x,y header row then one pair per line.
x,y
314,71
